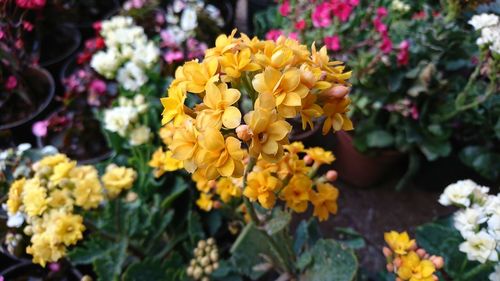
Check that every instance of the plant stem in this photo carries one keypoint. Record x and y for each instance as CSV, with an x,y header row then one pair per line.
x,y
478,269
248,204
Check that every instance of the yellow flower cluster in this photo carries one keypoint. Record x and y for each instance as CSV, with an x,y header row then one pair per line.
x,y
50,198
291,179
407,261
161,160
273,80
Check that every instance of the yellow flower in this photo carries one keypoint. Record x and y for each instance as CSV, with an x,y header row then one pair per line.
x,y
166,133
300,52
295,147
117,179
163,162
234,63
221,157
202,183
53,160
261,187
226,189
88,193
173,106
185,146
205,202
223,44
60,198
61,171
324,200
414,269
400,243
310,111
43,250
320,156
296,193
290,164
333,70
336,116
219,100
275,56
15,192
83,172
65,228
34,197
200,74
269,133
284,87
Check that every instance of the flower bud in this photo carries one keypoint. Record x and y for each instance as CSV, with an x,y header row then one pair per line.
x,y
413,246
192,262
397,262
332,175
211,241
86,278
208,269
131,197
387,252
205,279
244,133
438,262
390,267
197,272
435,277
335,92
189,271
308,159
202,244
217,204
214,255
215,265
205,261
28,230
421,253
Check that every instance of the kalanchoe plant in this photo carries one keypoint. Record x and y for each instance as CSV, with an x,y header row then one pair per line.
x,y
248,165
413,74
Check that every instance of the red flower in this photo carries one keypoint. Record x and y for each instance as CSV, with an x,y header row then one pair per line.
x,y
11,83
381,12
403,56
284,8
321,17
332,42
30,4
300,25
386,46
380,27
342,10
99,43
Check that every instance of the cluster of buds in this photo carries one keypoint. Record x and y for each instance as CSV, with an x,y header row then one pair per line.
x,y
12,241
205,261
407,260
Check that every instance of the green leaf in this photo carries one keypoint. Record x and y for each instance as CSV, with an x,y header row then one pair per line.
x,y
180,186
195,229
350,238
331,261
380,139
109,267
279,221
92,249
433,149
145,270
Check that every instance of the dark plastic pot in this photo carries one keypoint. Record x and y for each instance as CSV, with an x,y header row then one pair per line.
x,y
59,44
42,85
362,170
297,134
30,271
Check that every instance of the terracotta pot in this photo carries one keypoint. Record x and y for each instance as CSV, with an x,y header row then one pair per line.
x,y
41,84
363,170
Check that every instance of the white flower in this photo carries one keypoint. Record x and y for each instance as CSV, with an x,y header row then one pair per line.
x,y
483,20
119,118
492,205
139,135
131,77
14,220
480,247
400,6
494,227
140,103
189,19
458,193
22,148
495,275
48,150
105,63
114,23
467,221
178,5
146,55
170,17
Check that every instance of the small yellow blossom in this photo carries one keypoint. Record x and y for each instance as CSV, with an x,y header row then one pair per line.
x,y
324,201
43,250
220,111
61,171
185,146
15,192
200,74
205,202
336,116
164,162
414,269
88,193
296,193
60,198
116,179
65,228
261,187
226,189
53,160
34,197
83,172
275,56
320,156
202,183
166,133
173,106
223,44
400,243
234,64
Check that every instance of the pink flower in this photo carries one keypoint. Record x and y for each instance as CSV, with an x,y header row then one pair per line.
x,y
403,56
11,83
300,25
414,112
342,10
173,56
30,4
332,42
39,129
322,15
293,35
27,26
381,12
97,86
273,34
380,27
284,8
386,46
354,3
1,278
97,26
2,34
54,266
168,39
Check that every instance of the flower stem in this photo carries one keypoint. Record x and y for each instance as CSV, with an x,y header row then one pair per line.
x,y
248,204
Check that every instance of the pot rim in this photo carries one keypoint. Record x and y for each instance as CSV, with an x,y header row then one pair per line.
x,y
43,105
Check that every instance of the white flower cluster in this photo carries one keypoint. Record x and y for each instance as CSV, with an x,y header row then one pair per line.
x,y
489,25
128,55
478,221
124,120
400,6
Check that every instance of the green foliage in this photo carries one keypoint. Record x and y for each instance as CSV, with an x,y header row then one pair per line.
x,y
441,238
